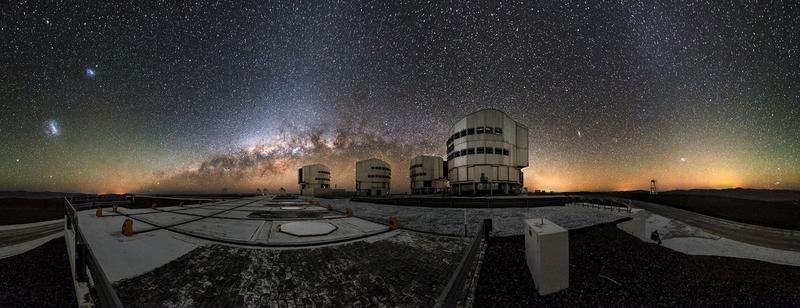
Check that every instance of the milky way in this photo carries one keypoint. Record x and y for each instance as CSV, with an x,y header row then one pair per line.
x,y
211,96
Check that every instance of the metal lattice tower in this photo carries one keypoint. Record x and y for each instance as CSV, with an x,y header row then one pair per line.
x,y
653,189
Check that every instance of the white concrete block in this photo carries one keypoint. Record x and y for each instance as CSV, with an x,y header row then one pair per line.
x,y
547,255
635,226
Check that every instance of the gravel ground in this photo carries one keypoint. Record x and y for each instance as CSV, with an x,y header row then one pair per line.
x,y
505,222
643,274
406,270
38,278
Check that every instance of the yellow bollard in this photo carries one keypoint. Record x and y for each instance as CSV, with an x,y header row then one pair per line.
x,y
349,212
127,227
153,206
114,208
394,223
99,212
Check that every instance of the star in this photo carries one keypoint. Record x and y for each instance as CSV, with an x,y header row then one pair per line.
x,y
332,90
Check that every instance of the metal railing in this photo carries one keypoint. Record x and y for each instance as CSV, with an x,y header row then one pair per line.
x,y
83,203
86,265
457,290
623,208
464,202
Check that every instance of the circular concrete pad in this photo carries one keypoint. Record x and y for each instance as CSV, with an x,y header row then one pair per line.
x,y
307,228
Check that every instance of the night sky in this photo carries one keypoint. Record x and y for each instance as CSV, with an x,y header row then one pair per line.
x,y
123,96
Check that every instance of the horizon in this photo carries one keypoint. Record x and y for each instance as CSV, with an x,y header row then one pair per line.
x,y
295,192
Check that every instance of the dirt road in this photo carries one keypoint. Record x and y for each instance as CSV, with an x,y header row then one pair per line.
x,y
746,233
16,234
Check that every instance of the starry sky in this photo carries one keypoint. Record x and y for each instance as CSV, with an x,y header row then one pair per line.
x,y
166,96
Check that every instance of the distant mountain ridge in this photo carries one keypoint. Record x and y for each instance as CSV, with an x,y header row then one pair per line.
x,y
39,194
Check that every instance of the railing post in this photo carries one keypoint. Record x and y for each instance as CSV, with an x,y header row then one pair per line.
x,y
487,228
80,261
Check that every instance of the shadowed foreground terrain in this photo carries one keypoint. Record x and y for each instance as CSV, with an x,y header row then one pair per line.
x,y
407,270
610,268
38,278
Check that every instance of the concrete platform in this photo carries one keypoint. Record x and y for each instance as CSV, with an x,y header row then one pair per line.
x,y
307,228
346,228
125,257
164,234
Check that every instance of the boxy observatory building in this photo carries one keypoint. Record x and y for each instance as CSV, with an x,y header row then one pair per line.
x,y
486,151
427,174
373,177
313,178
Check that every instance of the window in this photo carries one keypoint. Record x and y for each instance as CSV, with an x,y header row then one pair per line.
x,y
463,152
463,133
470,131
455,136
470,151
498,131
498,151
489,130
479,150
505,152
479,130
456,154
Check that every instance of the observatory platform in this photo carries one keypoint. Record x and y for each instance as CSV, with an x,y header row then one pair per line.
x,y
164,234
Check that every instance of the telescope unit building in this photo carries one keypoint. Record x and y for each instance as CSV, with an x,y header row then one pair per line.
x,y
427,175
486,152
313,179
373,177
